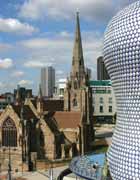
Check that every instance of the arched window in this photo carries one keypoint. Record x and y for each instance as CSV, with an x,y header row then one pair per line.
x,y
9,133
75,102
75,84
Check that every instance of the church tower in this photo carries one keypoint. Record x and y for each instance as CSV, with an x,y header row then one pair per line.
x,y
78,94
78,77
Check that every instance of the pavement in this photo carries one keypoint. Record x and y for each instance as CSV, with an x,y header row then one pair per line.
x,y
25,176
38,175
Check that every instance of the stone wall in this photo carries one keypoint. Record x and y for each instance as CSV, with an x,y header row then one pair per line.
x,y
15,156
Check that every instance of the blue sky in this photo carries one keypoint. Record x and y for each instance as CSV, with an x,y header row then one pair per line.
x,y
38,33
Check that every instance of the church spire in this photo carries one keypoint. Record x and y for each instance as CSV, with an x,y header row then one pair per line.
x,y
78,69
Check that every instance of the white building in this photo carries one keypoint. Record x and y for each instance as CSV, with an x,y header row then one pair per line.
x,y
60,87
104,103
48,81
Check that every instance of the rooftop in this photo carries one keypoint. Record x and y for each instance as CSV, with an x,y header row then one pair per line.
x,y
68,119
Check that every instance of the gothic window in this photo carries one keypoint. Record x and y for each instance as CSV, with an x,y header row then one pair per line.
x,y
9,133
74,102
75,84
42,143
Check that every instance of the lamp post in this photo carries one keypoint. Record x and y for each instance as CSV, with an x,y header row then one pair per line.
x,y
51,171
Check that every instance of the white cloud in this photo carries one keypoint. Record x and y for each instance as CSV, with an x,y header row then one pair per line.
x,y
37,64
57,51
6,63
5,47
18,74
45,43
65,34
15,26
6,85
59,72
100,10
2,85
25,82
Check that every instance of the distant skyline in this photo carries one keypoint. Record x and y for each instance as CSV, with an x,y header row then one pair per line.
x,y
40,33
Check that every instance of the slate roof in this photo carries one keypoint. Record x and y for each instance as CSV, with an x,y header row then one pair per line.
x,y
53,105
27,112
50,105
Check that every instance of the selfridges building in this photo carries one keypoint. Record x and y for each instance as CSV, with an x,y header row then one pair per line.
x,y
122,60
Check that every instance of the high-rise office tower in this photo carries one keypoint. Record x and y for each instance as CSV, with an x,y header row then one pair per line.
x,y
89,73
48,81
102,73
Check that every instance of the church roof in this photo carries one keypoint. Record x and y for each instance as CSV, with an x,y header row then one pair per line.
x,y
53,105
50,105
27,112
34,102
67,119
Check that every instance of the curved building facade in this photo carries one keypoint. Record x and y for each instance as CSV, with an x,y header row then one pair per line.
x,y
122,60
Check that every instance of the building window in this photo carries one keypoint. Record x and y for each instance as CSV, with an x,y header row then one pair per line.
x,y
101,109
110,100
61,91
110,109
101,100
109,91
93,100
9,133
74,102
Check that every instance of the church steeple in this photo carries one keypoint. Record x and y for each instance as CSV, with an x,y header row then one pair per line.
x,y
78,69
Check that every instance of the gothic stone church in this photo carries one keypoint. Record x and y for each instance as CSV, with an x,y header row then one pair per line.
x,y
50,129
